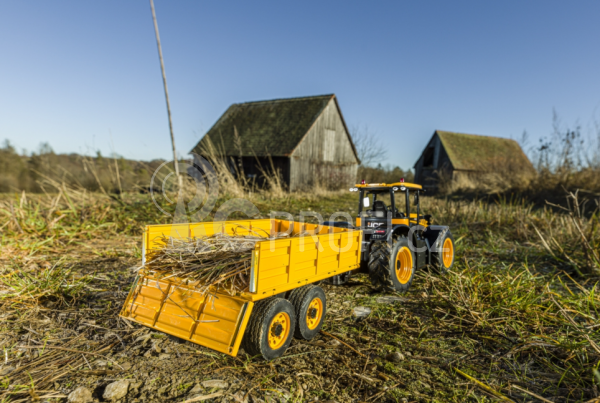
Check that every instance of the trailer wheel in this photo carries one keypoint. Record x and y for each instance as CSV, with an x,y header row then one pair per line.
x,y
310,306
392,268
442,258
270,329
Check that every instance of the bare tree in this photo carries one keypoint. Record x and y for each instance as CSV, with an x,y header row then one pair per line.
x,y
368,145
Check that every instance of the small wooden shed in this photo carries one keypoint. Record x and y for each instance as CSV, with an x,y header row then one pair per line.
x,y
452,156
306,139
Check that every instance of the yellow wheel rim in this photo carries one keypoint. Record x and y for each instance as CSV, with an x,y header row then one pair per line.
x,y
279,330
448,252
314,313
404,265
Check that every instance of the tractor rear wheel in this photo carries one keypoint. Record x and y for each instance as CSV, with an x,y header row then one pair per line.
x,y
270,329
442,255
392,268
379,262
310,307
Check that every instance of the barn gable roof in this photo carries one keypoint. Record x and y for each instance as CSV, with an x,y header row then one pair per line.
x,y
472,152
264,128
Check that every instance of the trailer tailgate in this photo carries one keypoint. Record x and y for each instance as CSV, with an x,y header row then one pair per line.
x,y
216,321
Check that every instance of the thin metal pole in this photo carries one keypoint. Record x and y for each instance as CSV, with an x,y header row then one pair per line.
x,y
164,77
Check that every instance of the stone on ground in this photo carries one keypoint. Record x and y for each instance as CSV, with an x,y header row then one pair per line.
x,y
362,311
80,395
215,383
116,390
395,357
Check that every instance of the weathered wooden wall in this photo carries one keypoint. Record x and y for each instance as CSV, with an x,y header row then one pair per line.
x,y
325,155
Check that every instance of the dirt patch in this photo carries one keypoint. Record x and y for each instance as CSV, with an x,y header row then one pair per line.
x,y
53,346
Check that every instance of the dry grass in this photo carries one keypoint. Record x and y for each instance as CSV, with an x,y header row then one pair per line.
x,y
233,180
516,317
213,262
571,238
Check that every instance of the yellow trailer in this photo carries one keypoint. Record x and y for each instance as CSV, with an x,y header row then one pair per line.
x,y
280,302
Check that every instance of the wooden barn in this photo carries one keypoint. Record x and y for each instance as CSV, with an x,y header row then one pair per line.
x,y
457,156
305,138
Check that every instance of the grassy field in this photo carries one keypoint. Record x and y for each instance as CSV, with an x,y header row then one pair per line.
x,y
515,320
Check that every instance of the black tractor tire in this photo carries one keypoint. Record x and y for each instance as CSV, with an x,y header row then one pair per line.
x,y
387,270
379,261
441,260
310,306
264,324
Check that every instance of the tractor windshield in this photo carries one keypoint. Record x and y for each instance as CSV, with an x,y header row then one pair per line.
x,y
378,202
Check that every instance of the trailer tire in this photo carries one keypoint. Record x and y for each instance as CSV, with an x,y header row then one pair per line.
x,y
270,328
442,259
310,306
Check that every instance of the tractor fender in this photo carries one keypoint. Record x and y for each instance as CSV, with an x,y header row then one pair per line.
x,y
399,229
433,234
424,256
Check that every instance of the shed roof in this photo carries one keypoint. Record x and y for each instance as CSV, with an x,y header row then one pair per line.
x,y
472,152
272,127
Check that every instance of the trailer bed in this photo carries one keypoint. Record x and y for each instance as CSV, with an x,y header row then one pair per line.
x,y
216,319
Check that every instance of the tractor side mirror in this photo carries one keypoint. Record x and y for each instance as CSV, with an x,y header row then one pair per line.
x,y
366,202
416,199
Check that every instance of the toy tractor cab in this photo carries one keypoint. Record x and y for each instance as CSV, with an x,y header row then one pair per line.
x,y
397,238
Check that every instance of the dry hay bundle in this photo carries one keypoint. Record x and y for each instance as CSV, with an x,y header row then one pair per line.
x,y
220,261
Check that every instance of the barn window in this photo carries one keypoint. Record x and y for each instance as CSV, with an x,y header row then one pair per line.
x,y
428,157
329,145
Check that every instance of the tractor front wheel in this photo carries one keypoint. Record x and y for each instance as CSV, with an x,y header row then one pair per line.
x,y
392,268
442,254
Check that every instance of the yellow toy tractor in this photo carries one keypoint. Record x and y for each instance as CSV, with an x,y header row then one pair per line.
x,y
396,241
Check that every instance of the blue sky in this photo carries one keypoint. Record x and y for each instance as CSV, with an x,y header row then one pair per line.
x,y
85,76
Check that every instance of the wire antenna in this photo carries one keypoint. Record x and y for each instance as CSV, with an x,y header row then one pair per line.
x,y
164,77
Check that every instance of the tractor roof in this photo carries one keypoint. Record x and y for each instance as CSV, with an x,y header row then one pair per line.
x,y
389,185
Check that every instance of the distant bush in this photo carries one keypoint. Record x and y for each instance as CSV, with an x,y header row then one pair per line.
x,y
381,174
30,172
